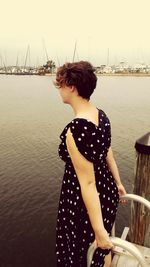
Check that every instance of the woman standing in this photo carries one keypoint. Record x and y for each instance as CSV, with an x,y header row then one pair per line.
x,y
91,184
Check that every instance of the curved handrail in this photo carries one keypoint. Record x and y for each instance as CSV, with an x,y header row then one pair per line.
x,y
132,249
90,253
137,198
123,243
120,243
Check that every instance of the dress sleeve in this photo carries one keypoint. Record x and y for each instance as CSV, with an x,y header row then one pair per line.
x,y
83,133
107,129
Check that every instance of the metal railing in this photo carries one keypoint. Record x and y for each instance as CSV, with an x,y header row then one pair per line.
x,y
132,249
137,198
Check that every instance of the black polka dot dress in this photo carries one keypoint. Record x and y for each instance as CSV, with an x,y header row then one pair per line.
x,y
74,233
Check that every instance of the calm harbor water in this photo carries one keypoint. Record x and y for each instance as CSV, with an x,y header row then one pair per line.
x,y
32,117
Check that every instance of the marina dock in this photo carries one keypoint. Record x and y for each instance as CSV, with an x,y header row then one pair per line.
x,y
125,253
124,259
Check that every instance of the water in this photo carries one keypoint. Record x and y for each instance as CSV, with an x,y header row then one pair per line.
x,y
32,117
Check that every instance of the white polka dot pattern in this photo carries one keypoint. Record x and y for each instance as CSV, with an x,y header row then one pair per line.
x,y
74,232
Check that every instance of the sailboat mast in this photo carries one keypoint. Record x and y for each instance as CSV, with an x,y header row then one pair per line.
x,y
74,51
26,57
17,61
47,58
108,57
1,60
58,61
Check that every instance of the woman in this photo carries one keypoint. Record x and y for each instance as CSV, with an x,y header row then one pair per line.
x,y
91,183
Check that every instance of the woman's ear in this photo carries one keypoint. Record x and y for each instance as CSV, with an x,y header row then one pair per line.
x,y
73,88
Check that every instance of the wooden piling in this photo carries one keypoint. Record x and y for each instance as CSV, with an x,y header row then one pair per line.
x,y
140,217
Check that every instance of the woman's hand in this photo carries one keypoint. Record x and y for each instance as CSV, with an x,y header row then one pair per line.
x,y
122,192
102,239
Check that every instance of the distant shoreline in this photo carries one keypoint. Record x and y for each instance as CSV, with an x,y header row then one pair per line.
x,y
124,74
97,74
115,74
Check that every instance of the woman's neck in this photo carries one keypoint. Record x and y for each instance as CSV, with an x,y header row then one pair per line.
x,y
81,107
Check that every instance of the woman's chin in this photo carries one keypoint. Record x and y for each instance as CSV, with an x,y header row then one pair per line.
x,y
65,101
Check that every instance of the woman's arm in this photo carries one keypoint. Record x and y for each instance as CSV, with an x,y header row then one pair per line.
x,y
114,170
85,173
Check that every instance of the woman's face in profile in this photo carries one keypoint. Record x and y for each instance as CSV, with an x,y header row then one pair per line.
x,y
65,93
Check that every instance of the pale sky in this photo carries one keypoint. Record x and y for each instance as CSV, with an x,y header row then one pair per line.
x,y
122,26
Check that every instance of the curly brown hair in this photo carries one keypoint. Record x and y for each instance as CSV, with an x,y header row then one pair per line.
x,y
80,74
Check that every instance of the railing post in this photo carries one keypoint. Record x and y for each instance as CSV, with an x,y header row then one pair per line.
x,y
140,218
